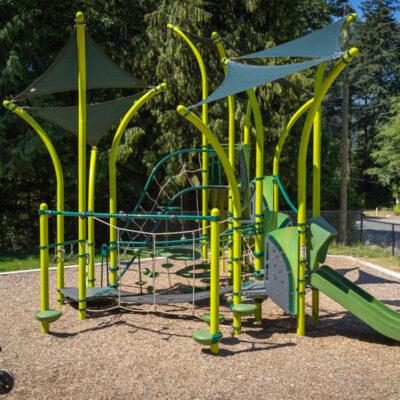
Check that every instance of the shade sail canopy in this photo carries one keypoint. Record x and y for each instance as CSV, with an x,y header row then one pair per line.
x,y
321,43
241,77
62,75
100,117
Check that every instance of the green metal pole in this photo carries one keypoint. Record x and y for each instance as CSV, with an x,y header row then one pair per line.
x,y
246,141
259,192
214,279
237,210
44,265
91,278
316,200
60,189
301,184
278,148
231,144
80,35
112,171
204,117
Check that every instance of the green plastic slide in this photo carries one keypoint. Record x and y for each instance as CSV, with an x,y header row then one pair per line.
x,y
367,308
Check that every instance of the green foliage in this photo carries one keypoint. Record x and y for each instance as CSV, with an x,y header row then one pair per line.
x,y
133,33
396,209
375,79
386,152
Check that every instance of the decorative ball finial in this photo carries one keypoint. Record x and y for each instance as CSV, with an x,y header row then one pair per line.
x,y
80,17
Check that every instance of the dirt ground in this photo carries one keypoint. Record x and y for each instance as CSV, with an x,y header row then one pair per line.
x,y
128,355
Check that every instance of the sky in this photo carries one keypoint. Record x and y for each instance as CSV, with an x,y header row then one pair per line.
x,y
355,5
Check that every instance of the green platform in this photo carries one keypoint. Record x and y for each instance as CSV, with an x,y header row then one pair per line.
x,y
48,315
244,309
364,306
204,336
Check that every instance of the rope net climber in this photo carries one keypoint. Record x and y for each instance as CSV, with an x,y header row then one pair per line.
x,y
174,187
162,271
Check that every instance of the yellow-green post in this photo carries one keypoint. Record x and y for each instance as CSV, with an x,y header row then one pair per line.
x,y
60,189
278,148
214,278
246,141
259,192
231,144
316,200
91,278
204,145
44,264
302,190
237,209
80,35
112,173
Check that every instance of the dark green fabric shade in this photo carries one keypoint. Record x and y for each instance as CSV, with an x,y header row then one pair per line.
x,y
62,75
321,43
241,77
100,117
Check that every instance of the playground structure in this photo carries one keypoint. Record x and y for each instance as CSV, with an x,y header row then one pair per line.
x,y
250,251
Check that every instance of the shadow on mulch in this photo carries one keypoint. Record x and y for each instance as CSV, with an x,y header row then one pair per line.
x,y
254,347
330,324
348,326
364,278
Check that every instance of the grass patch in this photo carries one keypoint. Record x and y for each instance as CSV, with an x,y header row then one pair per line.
x,y
19,261
374,254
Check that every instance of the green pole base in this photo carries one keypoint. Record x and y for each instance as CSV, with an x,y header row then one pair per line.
x,y
214,348
258,314
45,327
81,315
236,325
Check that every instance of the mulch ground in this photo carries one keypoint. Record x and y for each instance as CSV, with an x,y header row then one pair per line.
x,y
126,355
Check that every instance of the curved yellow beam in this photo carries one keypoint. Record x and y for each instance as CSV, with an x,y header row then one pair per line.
x,y
316,176
204,117
112,171
279,146
259,177
60,187
247,124
237,211
246,141
231,134
301,183
91,207
81,45
316,189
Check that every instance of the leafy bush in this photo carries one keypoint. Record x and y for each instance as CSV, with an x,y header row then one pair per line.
x,y
396,209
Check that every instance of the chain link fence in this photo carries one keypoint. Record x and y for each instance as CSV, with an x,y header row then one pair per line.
x,y
363,230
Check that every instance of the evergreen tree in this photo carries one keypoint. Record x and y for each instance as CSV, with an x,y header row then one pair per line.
x,y
375,78
387,151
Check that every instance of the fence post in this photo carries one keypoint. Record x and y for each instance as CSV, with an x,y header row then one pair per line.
x,y
214,278
361,226
393,237
44,265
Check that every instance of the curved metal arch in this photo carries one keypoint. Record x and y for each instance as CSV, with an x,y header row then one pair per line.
x,y
60,186
302,182
112,171
204,117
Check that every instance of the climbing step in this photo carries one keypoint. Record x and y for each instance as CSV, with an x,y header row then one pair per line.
x,y
140,283
206,317
167,265
204,336
48,315
244,309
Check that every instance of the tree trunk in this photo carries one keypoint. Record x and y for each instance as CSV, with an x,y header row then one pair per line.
x,y
344,168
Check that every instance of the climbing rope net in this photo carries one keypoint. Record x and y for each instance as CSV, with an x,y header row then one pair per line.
x,y
166,271
173,186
